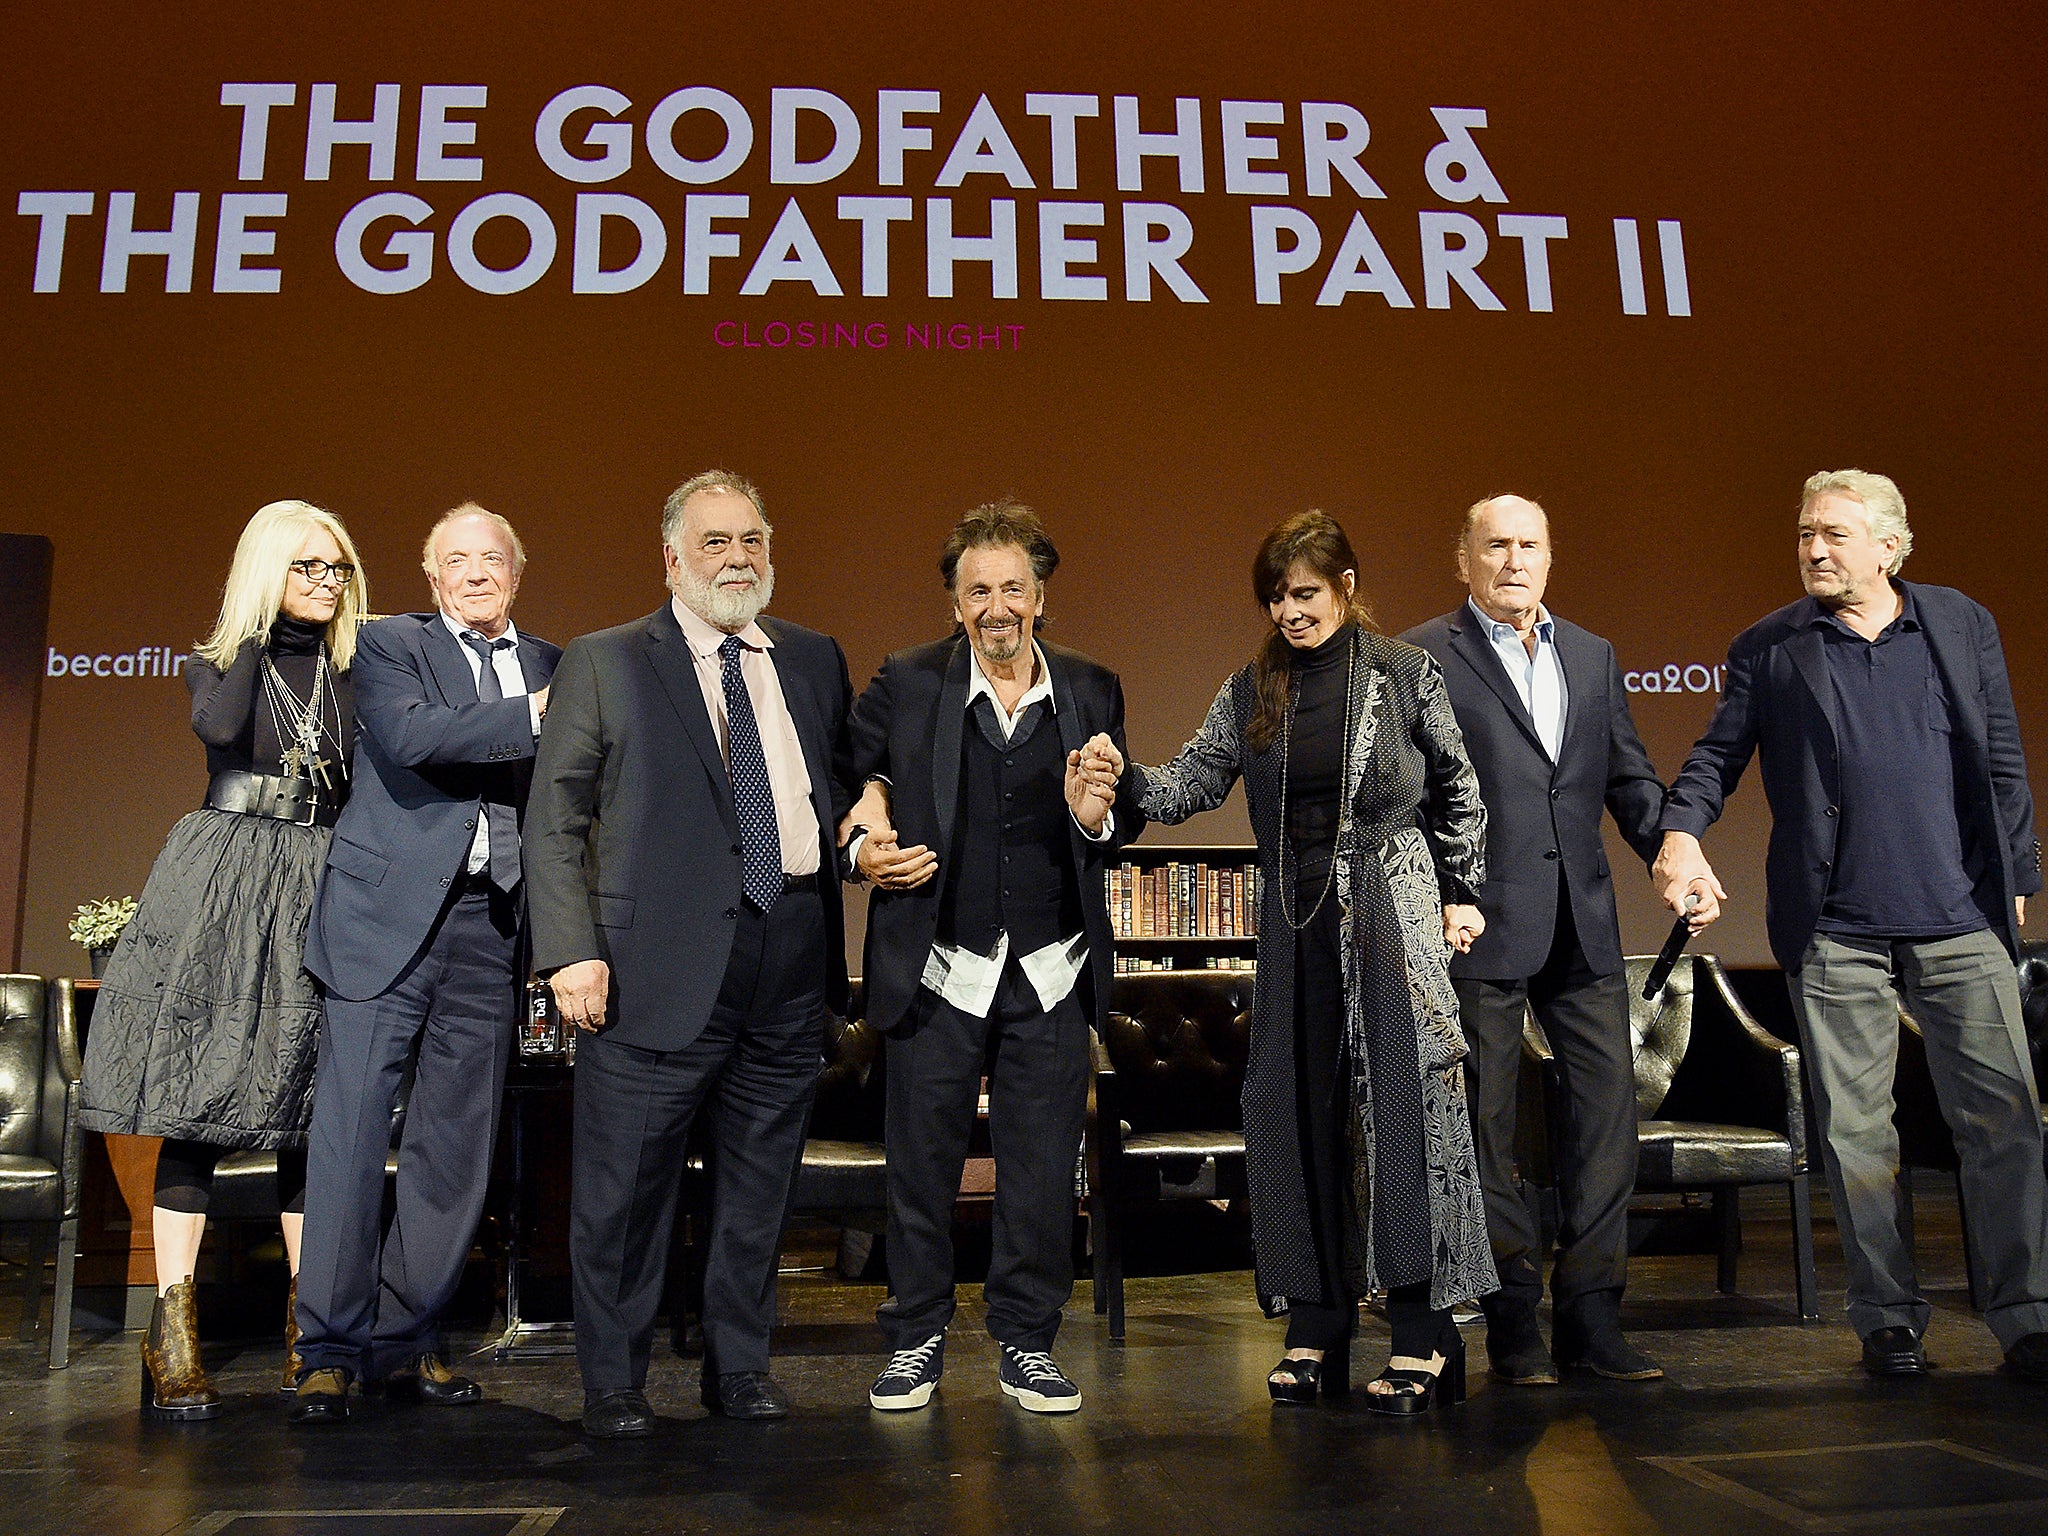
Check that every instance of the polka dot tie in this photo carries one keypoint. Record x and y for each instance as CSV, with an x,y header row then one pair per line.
x,y
752,797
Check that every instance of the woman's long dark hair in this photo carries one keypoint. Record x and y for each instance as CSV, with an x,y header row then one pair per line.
x,y
1316,540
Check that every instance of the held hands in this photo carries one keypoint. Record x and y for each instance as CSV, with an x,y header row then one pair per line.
x,y
580,992
1462,924
879,859
1681,870
1092,775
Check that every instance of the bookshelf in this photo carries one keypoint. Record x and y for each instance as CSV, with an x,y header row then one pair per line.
x,y
1184,907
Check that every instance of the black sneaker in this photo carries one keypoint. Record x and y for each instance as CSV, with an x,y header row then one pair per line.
x,y
911,1374
1029,1376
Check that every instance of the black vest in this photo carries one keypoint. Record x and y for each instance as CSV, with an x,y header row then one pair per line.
x,y
1012,866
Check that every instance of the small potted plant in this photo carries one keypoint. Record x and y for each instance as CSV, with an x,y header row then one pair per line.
x,y
98,925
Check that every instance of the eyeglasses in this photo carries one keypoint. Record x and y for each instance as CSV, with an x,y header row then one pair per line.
x,y
318,571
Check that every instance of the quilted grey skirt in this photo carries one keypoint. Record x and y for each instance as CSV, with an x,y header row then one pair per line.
x,y
207,1024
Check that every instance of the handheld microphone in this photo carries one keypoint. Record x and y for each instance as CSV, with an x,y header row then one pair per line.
x,y
1674,946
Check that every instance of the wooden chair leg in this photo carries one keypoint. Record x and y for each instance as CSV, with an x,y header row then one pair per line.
x,y
1728,1210
1098,1254
60,1308
1802,1251
32,1281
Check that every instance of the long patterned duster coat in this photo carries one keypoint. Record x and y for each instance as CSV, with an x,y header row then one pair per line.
x,y
1406,771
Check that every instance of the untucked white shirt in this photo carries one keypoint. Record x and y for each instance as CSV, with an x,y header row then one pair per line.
x,y
967,980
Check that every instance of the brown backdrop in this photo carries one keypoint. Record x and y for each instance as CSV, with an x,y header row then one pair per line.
x,y
1861,227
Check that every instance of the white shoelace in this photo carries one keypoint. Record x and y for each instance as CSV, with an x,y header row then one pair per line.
x,y
1036,1365
910,1363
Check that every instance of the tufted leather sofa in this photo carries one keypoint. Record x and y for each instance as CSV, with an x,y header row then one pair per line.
x,y
40,1141
843,1171
1163,1116
1719,1105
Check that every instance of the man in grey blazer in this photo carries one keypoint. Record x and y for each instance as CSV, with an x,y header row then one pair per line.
x,y
1545,719
415,934
682,873
1902,853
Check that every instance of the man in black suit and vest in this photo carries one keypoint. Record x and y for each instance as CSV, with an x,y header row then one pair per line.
x,y
682,874
1545,719
1902,854
988,944
415,933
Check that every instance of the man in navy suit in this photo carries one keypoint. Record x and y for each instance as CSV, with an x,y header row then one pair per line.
x,y
1545,718
1902,853
684,887
415,933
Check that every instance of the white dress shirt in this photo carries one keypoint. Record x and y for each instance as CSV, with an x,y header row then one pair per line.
x,y
512,679
796,819
968,980
1538,677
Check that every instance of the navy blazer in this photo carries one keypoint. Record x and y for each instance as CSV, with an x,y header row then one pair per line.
x,y
632,841
1540,813
906,727
425,748
1779,702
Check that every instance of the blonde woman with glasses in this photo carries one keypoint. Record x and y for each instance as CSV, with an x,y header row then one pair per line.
x,y
206,1025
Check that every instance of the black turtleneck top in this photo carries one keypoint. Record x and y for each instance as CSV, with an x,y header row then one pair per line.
x,y
1315,756
231,715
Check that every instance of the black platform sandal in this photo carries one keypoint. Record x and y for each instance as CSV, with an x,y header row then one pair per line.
x,y
1295,1381
1414,1392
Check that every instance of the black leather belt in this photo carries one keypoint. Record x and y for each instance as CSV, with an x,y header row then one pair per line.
x,y
798,883
271,795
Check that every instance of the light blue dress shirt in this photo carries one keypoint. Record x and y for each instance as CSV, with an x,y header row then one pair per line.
x,y
1538,677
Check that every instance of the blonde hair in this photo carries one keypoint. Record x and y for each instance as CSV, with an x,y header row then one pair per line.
x,y
1883,507
254,594
471,509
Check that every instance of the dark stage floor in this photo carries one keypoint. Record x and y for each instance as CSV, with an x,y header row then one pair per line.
x,y
1763,1425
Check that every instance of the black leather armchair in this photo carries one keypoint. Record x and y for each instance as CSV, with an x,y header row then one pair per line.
x,y
40,1141
1163,1115
1719,1106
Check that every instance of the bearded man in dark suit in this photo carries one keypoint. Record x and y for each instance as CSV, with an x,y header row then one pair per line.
x,y
683,876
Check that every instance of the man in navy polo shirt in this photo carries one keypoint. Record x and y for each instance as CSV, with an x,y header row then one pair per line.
x,y
1902,853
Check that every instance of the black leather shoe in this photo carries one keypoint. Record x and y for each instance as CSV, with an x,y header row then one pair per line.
x,y
1515,1351
1894,1352
322,1398
745,1395
1605,1352
428,1380
617,1416
2028,1358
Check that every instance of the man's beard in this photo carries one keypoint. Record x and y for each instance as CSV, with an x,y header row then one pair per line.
x,y
731,607
997,649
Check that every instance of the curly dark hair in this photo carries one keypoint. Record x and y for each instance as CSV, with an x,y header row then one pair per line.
x,y
995,524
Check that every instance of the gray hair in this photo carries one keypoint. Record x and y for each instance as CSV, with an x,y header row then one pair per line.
x,y
711,480
1883,506
471,509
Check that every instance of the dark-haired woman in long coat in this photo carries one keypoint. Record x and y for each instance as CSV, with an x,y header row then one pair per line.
x,y
1371,841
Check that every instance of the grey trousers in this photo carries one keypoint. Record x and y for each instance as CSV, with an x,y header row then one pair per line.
x,y
1964,994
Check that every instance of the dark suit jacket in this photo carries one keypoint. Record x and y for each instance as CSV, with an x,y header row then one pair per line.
x,y
1780,702
907,727
425,748
1539,812
632,842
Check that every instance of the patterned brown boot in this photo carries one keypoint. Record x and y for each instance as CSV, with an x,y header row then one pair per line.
x,y
292,1363
174,1383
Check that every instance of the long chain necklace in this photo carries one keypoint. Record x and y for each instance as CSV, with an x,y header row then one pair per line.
x,y
1287,900
301,723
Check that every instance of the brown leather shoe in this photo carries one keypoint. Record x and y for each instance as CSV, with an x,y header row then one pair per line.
x,y
428,1380
322,1398
174,1383
293,1365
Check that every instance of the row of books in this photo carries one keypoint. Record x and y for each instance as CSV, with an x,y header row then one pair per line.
x,y
1184,901
1131,964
